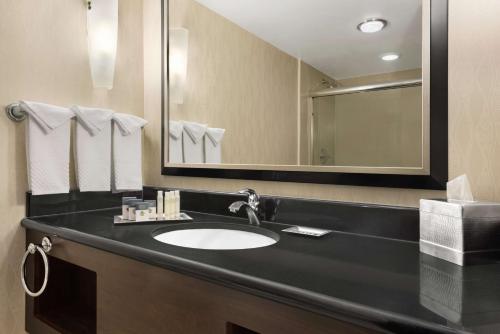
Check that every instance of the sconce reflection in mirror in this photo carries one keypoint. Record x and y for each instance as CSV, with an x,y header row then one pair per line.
x,y
102,36
178,57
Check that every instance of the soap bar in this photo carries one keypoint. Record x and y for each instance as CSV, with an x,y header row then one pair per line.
x,y
141,212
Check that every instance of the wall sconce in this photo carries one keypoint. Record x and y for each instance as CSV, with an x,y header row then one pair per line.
x,y
102,35
178,56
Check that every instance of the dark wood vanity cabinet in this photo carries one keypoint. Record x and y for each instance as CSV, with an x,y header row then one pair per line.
x,y
93,291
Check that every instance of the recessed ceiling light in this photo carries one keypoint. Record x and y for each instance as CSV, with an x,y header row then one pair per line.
x,y
390,56
372,25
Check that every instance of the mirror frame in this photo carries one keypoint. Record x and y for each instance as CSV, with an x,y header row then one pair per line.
x,y
438,110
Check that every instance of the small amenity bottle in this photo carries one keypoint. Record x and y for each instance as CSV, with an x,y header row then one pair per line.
x,y
141,213
177,203
166,204
151,209
173,214
171,205
125,204
159,205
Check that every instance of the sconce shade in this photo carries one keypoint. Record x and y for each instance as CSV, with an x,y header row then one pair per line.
x,y
102,35
178,58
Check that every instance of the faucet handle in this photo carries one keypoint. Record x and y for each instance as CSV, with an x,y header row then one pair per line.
x,y
253,197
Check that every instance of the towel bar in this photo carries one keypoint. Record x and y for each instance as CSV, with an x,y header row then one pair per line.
x,y
15,112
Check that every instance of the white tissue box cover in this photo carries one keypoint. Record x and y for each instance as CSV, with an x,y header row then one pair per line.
x,y
449,229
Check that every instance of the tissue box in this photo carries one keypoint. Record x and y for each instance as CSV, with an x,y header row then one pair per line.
x,y
455,230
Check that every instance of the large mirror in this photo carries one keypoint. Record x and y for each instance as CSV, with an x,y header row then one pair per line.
x,y
328,91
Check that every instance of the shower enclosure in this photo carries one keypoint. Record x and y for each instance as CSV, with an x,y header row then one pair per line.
x,y
377,125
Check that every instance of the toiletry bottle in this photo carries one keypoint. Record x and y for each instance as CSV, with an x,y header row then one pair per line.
x,y
125,204
130,203
141,212
168,205
159,205
152,209
131,211
177,203
172,204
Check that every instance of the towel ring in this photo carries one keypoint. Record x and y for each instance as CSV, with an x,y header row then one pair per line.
x,y
15,112
32,249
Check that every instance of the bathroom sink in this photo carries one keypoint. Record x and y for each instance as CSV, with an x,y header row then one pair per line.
x,y
216,236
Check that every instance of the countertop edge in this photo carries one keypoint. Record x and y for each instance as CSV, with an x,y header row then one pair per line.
x,y
296,297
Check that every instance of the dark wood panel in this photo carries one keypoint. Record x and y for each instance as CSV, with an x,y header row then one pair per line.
x,y
133,297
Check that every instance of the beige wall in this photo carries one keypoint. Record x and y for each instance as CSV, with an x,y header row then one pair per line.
x,y
474,117
43,57
474,95
229,86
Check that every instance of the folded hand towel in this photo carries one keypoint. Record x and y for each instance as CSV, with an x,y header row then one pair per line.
x,y
192,141
127,152
128,124
93,119
47,147
175,142
213,144
93,148
48,117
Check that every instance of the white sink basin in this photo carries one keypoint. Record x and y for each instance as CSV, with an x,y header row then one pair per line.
x,y
216,238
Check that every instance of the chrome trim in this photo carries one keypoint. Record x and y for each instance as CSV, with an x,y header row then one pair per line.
x,y
15,112
251,207
367,88
253,198
253,219
32,249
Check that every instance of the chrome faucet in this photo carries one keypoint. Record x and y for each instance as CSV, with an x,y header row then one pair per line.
x,y
251,207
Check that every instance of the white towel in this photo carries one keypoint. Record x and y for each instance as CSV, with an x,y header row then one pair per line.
x,y
213,150
47,147
175,142
192,142
128,124
93,148
127,152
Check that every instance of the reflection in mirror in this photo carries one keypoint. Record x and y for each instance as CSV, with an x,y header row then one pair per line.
x,y
369,128
298,85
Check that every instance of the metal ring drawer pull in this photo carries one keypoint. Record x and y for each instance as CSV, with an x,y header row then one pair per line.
x,y
32,249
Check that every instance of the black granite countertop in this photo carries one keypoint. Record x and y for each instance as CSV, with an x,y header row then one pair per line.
x,y
367,280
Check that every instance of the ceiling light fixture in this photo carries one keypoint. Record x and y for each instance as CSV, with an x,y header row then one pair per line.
x,y
370,26
390,56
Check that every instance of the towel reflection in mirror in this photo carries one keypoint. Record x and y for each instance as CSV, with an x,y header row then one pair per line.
x,y
191,142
